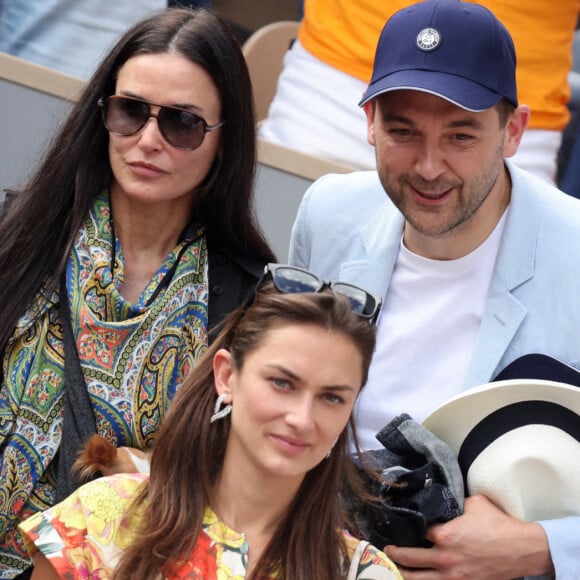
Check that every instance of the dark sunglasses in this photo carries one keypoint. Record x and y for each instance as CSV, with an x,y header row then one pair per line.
x,y
126,116
292,280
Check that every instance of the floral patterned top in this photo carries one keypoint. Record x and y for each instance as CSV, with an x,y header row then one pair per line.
x,y
84,535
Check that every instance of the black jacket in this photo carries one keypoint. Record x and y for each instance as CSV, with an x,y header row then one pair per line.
x,y
231,278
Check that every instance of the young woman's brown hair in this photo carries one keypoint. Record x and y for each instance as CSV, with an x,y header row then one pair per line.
x,y
189,452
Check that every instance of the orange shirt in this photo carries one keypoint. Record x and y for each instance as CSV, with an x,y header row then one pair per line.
x,y
344,34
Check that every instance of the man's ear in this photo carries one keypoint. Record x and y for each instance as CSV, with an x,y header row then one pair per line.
x,y
515,127
223,371
369,109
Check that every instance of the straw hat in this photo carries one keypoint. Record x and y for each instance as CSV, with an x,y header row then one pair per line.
x,y
518,443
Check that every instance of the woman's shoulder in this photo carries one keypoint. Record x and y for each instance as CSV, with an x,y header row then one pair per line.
x,y
117,483
373,564
97,514
96,518
44,300
107,499
103,499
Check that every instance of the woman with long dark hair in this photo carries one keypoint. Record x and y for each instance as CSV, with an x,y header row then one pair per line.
x,y
251,460
132,240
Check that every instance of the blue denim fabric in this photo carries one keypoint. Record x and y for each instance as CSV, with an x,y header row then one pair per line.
x,y
71,37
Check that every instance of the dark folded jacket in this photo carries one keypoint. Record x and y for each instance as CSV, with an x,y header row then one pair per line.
x,y
421,485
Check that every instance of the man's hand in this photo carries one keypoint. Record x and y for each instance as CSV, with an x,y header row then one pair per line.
x,y
483,543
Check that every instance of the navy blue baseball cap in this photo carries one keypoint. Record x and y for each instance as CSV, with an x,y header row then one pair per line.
x,y
458,51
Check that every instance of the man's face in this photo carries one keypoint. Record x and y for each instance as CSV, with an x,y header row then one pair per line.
x,y
442,166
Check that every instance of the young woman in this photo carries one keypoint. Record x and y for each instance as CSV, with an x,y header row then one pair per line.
x,y
249,464
132,240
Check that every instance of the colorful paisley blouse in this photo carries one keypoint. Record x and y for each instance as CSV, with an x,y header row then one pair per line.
x,y
133,356
83,536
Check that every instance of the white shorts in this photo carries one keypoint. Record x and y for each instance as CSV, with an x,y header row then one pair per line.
x,y
310,116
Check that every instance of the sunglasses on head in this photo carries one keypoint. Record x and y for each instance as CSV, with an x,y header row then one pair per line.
x,y
126,116
292,280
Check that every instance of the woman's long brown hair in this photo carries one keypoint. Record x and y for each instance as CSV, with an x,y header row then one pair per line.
x,y
189,453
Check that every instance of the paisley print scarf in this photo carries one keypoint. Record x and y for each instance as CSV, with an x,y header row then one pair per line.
x,y
133,356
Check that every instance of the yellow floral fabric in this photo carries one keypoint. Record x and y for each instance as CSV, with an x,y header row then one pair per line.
x,y
84,535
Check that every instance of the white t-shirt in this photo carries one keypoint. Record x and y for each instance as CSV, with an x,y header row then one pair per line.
x,y
426,335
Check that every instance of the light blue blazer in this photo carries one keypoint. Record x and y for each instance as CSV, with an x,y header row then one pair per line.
x,y
348,229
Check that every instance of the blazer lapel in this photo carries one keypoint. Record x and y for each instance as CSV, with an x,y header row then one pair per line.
x,y
380,237
504,313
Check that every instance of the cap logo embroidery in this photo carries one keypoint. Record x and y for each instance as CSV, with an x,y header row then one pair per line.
x,y
428,39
